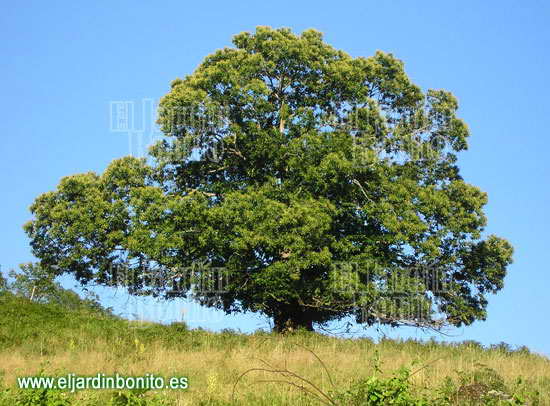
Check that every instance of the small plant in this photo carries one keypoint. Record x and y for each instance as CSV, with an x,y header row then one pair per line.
x,y
41,397
139,348
395,390
135,397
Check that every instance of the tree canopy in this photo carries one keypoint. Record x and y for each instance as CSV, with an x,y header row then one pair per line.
x,y
317,185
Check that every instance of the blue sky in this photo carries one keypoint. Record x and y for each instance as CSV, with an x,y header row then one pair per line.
x,y
63,63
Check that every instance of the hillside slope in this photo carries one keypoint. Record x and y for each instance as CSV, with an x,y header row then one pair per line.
x,y
53,340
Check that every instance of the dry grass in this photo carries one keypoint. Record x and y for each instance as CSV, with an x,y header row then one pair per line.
x,y
213,362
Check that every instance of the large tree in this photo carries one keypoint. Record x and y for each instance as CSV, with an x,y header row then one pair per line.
x,y
315,183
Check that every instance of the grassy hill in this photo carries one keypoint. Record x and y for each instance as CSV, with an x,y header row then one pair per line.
x,y
297,369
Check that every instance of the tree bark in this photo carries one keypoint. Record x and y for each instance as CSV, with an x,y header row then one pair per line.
x,y
285,323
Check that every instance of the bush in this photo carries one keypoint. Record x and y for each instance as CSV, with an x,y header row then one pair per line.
x,y
482,386
395,390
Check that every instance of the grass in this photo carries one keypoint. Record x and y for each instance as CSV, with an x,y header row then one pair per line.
x,y
37,338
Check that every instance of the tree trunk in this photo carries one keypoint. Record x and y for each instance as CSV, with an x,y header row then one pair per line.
x,y
285,323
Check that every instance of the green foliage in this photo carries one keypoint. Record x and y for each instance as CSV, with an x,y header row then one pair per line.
x,y
50,397
481,386
41,397
46,328
374,390
31,325
35,283
3,283
283,159
135,398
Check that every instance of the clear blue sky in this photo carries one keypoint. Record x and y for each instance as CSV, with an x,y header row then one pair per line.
x,y
64,62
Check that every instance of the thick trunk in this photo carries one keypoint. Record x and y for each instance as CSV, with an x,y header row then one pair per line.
x,y
292,322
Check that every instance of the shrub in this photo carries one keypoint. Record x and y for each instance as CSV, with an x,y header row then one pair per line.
x,y
395,390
